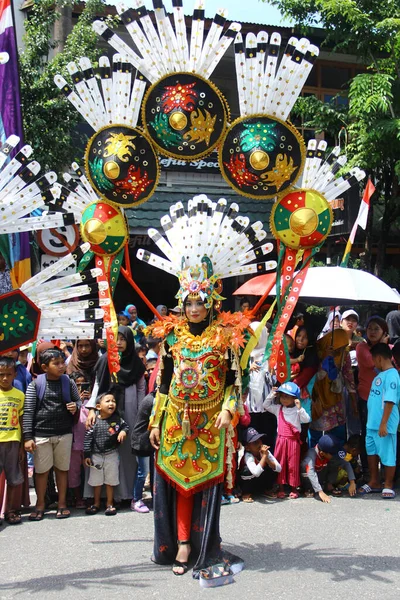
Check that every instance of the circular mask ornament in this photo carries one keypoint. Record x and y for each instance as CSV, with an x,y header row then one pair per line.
x,y
121,165
104,227
261,156
185,116
301,219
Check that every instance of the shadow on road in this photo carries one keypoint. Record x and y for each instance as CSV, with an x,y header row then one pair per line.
x,y
123,576
340,565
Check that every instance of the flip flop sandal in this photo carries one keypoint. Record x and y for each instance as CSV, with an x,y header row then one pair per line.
x,y
270,495
110,511
232,499
293,495
366,489
13,517
178,564
247,500
36,515
388,494
281,495
92,510
63,513
336,493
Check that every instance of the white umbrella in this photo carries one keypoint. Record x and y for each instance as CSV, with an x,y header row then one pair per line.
x,y
338,285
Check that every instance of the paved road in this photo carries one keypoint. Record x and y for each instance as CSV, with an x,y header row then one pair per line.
x,y
293,549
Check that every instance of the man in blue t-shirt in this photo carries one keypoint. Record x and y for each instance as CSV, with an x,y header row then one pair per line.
x,y
383,421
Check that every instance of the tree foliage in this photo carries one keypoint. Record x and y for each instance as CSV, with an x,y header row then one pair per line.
x,y
371,30
48,119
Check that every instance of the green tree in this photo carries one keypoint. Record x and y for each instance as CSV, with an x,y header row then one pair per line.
x,y
371,30
48,119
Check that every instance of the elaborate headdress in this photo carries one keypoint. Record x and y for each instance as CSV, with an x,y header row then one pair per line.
x,y
262,153
183,112
208,243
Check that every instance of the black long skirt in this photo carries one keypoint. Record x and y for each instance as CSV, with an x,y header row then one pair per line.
x,y
205,538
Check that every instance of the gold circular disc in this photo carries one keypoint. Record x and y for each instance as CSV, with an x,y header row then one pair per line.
x,y
95,231
111,169
259,160
178,120
304,221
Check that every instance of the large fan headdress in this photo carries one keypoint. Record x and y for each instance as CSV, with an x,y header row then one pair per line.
x,y
120,162
24,188
183,112
46,306
209,242
262,154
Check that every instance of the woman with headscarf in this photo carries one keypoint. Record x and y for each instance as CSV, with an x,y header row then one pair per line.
x,y
332,322
129,391
305,351
84,358
376,332
162,310
328,406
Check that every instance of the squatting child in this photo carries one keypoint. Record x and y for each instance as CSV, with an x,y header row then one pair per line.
x,y
256,459
313,466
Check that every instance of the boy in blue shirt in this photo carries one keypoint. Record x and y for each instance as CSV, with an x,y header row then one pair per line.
x,y
383,420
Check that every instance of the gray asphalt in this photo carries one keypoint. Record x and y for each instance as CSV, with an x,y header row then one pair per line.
x,y
292,548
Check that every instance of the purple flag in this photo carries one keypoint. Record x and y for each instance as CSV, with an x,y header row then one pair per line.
x,y
11,123
10,103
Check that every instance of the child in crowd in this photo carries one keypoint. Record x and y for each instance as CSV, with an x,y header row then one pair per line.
x,y
101,452
256,459
141,351
290,415
75,467
313,466
153,345
22,375
11,452
336,476
123,319
51,402
294,361
383,421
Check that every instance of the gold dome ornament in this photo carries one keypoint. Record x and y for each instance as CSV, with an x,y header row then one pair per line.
x,y
304,221
178,120
259,160
94,231
111,169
